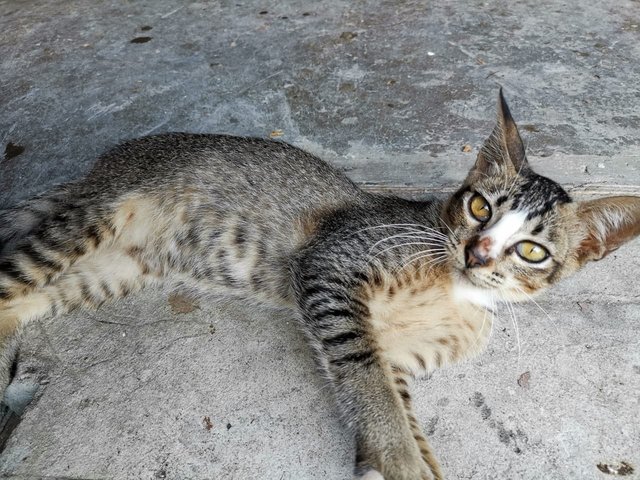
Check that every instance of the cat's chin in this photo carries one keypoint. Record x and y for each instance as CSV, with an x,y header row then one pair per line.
x,y
481,292
471,277
467,289
474,289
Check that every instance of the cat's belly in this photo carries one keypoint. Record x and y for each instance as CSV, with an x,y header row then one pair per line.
x,y
419,330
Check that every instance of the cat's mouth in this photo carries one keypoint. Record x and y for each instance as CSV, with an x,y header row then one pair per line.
x,y
479,280
494,284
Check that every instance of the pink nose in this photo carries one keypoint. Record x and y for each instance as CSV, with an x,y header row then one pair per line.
x,y
477,252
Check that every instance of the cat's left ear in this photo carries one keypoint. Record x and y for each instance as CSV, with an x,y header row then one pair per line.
x,y
503,150
610,222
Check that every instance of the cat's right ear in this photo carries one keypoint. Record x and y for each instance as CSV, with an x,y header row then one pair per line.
x,y
609,222
503,152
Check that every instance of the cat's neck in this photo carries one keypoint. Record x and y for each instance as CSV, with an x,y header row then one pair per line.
x,y
426,319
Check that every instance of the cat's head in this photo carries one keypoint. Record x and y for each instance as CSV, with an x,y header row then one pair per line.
x,y
514,232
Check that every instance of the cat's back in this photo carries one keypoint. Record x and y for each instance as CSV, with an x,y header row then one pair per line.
x,y
236,167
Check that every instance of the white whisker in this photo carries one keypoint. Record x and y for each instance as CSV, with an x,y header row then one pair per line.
x,y
434,261
539,307
512,312
455,237
410,236
407,226
405,245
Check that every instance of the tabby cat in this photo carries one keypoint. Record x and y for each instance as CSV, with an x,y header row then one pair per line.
x,y
386,289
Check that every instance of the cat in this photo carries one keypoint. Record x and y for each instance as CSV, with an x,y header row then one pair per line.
x,y
386,289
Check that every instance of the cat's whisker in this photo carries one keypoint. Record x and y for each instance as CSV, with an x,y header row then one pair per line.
x,y
494,313
486,175
404,265
516,327
512,313
449,228
484,321
403,245
405,237
430,264
432,255
435,260
410,236
505,182
408,226
388,225
530,297
441,252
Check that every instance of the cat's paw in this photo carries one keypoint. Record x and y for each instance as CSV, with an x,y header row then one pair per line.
x,y
372,475
394,464
398,469
398,472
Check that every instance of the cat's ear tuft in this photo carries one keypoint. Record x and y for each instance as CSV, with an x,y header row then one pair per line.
x,y
610,222
503,150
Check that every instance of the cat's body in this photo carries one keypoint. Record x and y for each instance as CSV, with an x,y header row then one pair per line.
x,y
385,289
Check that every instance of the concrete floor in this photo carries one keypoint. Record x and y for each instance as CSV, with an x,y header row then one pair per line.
x,y
390,92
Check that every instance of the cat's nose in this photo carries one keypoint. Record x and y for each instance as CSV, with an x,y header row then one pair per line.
x,y
477,252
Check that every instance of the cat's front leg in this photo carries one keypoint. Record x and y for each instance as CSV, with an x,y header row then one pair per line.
x,y
374,409
395,462
372,399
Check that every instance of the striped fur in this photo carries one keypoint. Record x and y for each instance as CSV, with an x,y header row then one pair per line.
x,y
382,286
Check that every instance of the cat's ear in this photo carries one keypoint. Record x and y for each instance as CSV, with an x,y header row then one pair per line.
x,y
610,222
503,150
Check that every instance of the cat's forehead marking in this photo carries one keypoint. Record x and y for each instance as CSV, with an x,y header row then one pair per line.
x,y
503,230
537,195
538,229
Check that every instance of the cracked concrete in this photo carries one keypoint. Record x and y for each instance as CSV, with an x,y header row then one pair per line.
x,y
390,92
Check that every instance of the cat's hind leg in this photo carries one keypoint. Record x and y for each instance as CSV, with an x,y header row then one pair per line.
x,y
78,256
105,275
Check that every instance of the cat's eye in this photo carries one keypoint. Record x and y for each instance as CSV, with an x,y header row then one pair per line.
x,y
480,208
531,252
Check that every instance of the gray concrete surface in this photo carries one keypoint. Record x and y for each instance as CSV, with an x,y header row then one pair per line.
x,y
390,92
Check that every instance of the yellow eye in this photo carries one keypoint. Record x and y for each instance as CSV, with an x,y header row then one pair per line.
x,y
480,208
531,252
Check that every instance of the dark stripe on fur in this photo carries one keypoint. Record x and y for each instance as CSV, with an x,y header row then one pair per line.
x,y
39,258
538,229
365,357
336,312
10,269
341,338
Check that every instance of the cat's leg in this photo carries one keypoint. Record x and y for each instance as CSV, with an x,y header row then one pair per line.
x,y
76,251
402,382
374,408
370,400
104,275
42,238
